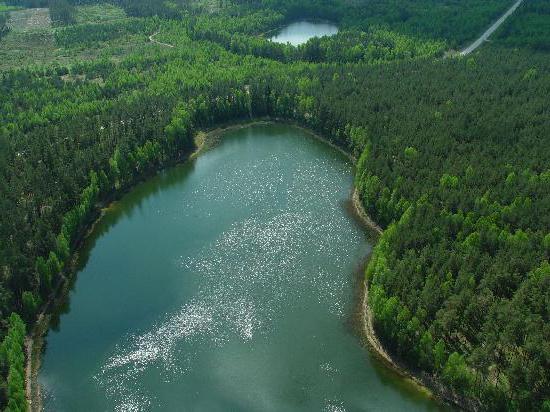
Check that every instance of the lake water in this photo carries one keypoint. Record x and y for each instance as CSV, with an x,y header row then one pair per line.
x,y
301,31
224,284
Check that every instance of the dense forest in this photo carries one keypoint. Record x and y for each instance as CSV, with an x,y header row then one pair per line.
x,y
452,161
529,28
3,24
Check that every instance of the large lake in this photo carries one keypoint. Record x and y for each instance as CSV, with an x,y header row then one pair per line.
x,y
224,284
300,32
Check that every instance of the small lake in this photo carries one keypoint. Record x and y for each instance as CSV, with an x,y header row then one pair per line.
x,y
300,32
224,284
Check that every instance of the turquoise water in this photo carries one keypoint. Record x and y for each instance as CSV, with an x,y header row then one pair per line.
x,y
301,31
224,284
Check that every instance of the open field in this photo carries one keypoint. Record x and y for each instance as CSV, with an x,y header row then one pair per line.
x,y
26,20
99,13
32,39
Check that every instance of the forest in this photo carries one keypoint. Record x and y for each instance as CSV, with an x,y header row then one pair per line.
x,y
3,24
452,161
529,28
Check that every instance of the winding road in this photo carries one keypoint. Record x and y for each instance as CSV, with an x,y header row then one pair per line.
x,y
490,30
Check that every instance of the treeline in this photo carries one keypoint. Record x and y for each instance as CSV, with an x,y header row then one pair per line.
x,y
62,12
65,134
28,3
529,26
459,282
135,8
4,29
144,8
249,35
377,45
87,34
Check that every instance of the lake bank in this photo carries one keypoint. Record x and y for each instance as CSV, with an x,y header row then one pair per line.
x,y
299,32
211,138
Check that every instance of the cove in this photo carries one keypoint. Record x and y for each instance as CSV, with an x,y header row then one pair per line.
x,y
224,284
301,31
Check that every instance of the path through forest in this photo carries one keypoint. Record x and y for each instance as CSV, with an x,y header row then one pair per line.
x,y
152,40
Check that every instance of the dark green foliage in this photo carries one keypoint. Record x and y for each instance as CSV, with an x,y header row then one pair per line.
x,y
27,3
375,46
87,34
30,303
62,13
530,26
452,161
470,234
4,24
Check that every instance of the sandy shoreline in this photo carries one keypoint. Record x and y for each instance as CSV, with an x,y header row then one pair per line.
x,y
423,382
368,334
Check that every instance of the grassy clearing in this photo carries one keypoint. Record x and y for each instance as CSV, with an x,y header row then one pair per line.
x,y
99,13
209,6
39,48
19,49
30,20
32,39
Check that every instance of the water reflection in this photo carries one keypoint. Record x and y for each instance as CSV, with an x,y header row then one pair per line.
x,y
300,32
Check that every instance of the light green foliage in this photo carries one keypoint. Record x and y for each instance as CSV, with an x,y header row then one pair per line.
x,y
178,131
530,74
426,352
359,139
448,181
546,243
439,356
12,358
411,153
30,302
456,372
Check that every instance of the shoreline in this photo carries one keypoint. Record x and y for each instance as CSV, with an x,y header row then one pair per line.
x,y
34,340
423,382
367,332
205,140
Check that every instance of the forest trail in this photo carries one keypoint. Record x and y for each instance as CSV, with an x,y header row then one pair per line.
x,y
152,40
490,30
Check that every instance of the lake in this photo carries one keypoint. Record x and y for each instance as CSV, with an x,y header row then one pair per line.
x,y
224,284
300,32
